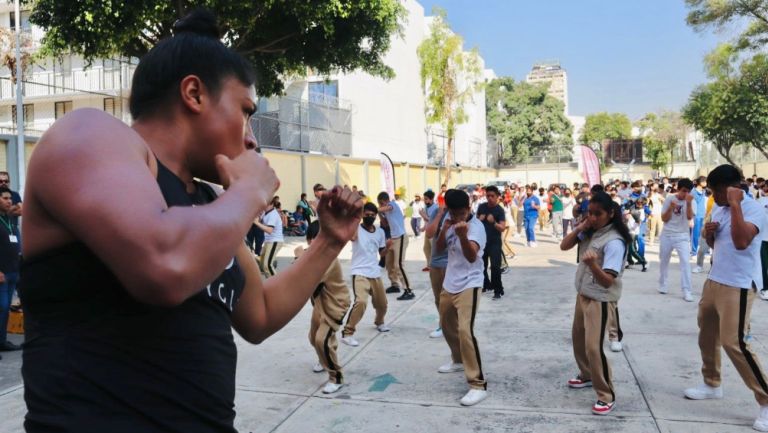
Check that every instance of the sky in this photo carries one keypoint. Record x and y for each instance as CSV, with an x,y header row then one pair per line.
x,y
628,56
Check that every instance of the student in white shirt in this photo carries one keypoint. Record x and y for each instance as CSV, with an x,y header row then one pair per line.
x,y
272,224
763,202
726,301
677,214
367,246
463,236
417,207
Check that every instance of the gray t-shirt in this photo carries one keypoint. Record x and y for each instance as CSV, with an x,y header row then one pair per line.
x,y
678,223
439,258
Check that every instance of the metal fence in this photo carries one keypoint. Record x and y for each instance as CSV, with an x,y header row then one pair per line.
x,y
320,125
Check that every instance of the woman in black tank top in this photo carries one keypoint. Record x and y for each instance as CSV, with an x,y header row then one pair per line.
x,y
135,272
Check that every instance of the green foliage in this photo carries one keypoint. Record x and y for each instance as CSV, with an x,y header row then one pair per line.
x,y
450,77
524,120
662,134
751,16
733,110
280,37
605,126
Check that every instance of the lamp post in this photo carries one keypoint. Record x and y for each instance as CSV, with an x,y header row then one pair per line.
x,y
20,149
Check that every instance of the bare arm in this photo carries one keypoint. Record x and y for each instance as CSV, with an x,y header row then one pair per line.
x,y
440,245
431,228
174,252
469,249
265,228
572,238
266,306
667,215
742,232
602,277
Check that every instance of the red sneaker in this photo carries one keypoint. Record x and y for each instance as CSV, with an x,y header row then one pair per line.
x,y
578,382
426,269
603,408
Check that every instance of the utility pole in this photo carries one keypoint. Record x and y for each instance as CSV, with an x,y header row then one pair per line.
x,y
20,147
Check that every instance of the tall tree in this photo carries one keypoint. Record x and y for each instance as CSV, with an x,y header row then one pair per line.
x,y
450,77
605,126
751,16
713,109
525,120
753,90
662,135
280,37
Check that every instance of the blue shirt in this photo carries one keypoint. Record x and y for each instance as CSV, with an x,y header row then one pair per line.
x,y
439,259
396,220
528,206
701,203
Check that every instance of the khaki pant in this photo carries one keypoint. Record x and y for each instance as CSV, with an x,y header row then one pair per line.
x,y
457,318
269,257
514,212
614,326
543,216
436,277
394,262
363,287
330,303
655,227
590,321
427,249
724,321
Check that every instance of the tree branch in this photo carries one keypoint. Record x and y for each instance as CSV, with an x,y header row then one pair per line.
x,y
267,48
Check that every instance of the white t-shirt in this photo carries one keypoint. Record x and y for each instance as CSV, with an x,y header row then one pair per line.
x,y
613,255
732,267
272,219
365,252
461,275
417,207
396,220
657,202
678,222
568,203
763,201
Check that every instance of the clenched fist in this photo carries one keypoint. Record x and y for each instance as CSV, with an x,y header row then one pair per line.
x,y
461,229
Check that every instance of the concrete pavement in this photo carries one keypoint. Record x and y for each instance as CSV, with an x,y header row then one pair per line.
x,y
393,385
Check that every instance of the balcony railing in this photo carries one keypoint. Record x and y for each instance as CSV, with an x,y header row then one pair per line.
x,y
97,80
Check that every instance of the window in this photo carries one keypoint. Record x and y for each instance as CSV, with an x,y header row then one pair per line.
x,y
29,115
24,21
62,108
113,107
324,92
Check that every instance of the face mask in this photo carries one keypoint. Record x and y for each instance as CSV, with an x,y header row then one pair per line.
x,y
369,220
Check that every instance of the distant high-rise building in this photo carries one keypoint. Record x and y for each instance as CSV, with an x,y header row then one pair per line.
x,y
551,72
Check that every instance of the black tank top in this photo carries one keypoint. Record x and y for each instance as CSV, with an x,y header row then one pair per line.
x,y
97,360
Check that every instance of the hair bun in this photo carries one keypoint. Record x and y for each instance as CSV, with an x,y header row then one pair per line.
x,y
200,22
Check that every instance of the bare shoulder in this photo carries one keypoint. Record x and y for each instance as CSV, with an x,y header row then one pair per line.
x,y
88,130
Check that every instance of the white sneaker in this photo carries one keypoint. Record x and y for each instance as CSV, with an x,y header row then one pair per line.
x,y
437,333
616,346
697,270
350,341
473,397
331,387
383,328
688,297
764,295
663,291
704,392
761,423
533,245
318,368
450,368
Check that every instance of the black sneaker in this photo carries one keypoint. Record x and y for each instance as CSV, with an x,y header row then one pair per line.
x,y
406,296
393,289
496,297
9,347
